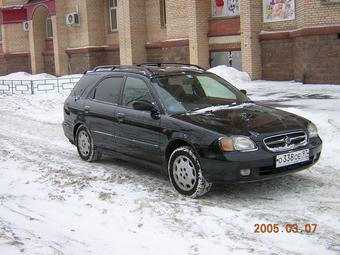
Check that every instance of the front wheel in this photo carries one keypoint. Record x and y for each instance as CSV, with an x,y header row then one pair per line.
x,y
186,174
85,145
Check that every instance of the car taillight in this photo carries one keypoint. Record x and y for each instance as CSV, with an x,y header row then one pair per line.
x,y
66,108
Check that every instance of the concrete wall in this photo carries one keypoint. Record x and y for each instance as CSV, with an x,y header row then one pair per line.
x,y
198,40
309,59
251,25
177,17
12,2
14,38
178,54
154,30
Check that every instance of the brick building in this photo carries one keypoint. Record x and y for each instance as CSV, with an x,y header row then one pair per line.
x,y
269,39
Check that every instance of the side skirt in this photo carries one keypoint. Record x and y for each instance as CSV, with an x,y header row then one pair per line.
x,y
158,167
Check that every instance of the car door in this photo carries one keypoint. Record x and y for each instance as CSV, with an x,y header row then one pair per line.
x,y
100,110
137,132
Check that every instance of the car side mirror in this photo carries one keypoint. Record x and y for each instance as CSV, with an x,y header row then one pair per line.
x,y
142,106
147,106
243,91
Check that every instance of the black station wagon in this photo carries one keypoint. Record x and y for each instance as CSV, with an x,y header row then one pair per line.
x,y
191,124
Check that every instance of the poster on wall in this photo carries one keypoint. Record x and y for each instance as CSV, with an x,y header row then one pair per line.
x,y
278,10
222,8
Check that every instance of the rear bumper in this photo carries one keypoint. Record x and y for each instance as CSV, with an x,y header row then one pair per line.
x,y
68,131
261,164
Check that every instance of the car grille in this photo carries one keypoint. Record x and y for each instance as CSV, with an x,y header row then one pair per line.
x,y
284,142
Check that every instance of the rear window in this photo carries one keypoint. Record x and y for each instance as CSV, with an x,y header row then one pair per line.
x,y
86,81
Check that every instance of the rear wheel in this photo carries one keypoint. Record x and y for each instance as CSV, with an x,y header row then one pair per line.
x,y
186,174
85,145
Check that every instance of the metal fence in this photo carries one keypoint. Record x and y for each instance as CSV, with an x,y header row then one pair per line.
x,y
36,86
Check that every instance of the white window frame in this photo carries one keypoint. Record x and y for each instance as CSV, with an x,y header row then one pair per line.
x,y
47,30
113,6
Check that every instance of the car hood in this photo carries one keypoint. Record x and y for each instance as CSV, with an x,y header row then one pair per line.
x,y
244,119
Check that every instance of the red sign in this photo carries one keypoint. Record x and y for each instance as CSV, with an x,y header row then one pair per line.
x,y
13,15
18,14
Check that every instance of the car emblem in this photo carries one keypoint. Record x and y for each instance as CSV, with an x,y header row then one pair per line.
x,y
287,140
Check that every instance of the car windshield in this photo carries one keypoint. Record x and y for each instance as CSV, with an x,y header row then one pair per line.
x,y
190,92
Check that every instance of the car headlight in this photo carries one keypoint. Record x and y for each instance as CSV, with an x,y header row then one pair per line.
x,y
237,143
312,130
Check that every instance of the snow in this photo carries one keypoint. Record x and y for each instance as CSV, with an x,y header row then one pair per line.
x,y
27,76
220,107
230,74
54,203
33,77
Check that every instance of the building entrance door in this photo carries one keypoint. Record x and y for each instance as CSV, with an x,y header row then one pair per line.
x,y
228,58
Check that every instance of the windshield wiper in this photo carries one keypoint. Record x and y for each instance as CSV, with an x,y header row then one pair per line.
x,y
243,102
196,109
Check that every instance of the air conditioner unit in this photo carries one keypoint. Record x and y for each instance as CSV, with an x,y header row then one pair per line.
x,y
26,26
72,19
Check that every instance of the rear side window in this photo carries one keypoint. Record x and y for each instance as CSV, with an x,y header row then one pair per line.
x,y
108,90
86,81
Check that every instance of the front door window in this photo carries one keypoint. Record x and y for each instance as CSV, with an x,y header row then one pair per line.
x,y
135,90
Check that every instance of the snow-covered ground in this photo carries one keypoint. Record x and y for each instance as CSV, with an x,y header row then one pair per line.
x,y
51,202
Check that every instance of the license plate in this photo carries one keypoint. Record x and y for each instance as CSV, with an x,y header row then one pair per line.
x,y
292,158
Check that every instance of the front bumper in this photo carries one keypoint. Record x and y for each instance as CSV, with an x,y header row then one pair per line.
x,y
261,163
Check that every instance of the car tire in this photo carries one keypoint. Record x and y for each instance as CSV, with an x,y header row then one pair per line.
x,y
185,173
85,145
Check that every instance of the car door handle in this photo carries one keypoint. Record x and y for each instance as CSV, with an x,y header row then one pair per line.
x,y
120,117
87,109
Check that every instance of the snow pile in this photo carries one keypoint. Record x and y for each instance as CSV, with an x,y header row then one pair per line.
x,y
27,76
34,77
231,74
71,76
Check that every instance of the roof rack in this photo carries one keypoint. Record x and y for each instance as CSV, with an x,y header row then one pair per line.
x,y
145,68
171,64
110,68
105,68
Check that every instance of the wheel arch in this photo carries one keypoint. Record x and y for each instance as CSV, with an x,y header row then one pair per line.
x,y
75,129
174,144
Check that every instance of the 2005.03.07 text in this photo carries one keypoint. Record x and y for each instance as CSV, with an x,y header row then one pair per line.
x,y
287,228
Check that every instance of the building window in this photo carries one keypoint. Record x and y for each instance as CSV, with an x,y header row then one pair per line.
x,y
49,28
162,13
225,8
113,15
